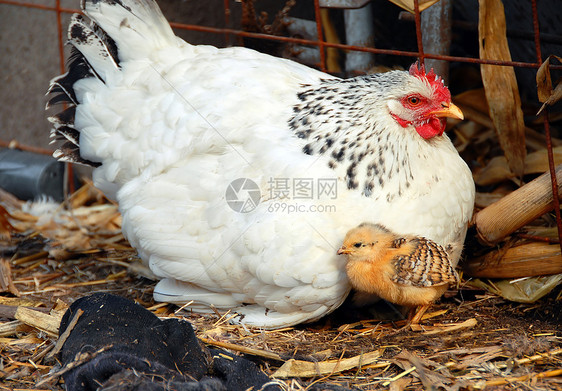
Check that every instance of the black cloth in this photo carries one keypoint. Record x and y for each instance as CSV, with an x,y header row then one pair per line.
x,y
118,345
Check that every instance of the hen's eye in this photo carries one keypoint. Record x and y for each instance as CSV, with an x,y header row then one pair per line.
x,y
414,100
359,244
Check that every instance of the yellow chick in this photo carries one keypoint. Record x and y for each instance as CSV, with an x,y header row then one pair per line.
x,y
410,271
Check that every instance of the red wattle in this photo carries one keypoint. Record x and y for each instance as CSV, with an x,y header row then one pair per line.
x,y
435,127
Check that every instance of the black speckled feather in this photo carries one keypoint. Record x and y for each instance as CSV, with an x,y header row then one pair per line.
x,y
331,119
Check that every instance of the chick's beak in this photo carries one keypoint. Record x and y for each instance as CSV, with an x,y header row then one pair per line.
x,y
448,110
343,250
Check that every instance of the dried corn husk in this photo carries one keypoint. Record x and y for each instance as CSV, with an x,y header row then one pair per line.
x,y
500,84
517,208
528,290
526,260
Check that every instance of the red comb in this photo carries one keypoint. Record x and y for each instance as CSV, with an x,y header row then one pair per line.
x,y
419,71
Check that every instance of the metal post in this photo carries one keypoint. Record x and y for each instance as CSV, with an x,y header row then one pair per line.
x,y
359,31
436,24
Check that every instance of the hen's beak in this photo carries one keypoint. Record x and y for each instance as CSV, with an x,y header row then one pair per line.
x,y
449,110
343,250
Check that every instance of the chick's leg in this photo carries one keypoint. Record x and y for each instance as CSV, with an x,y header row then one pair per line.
x,y
416,315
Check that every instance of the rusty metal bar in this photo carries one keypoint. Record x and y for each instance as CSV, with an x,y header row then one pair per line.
x,y
320,43
13,144
60,35
68,184
301,41
419,37
551,168
536,31
226,20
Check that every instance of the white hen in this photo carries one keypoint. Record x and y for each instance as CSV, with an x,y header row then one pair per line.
x,y
170,126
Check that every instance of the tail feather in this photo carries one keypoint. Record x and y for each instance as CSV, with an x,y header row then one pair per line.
x,y
94,46
70,152
65,117
118,30
137,26
62,87
65,133
62,97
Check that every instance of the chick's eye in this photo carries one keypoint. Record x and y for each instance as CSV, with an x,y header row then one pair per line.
x,y
414,100
358,244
